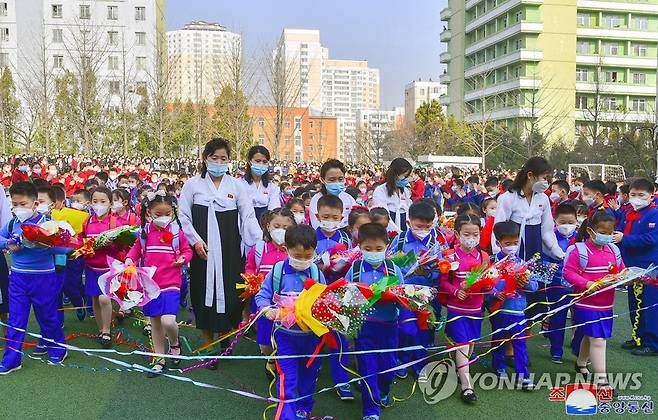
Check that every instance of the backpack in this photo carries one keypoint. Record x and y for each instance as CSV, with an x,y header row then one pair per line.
x,y
175,230
344,238
583,254
259,248
357,266
12,222
277,274
402,240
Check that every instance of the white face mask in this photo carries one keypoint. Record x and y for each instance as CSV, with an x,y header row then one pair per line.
x,y
566,229
470,243
116,206
588,200
491,212
540,186
299,265
77,206
299,218
100,209
278,236
510,250
23,213
555,197
420,234
43,208
162,221
329,225
638,203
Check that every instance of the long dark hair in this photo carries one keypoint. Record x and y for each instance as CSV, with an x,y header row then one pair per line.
x,y
537,165
265,178
123,196
397,167
326,167
167,199
211,147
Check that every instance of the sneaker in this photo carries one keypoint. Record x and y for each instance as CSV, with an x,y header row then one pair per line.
x,y
81,314
629,345
345,392
527,384
401,373
386,401
501,373
301,415
40,350
468,396
6,371
373,417
53,361
557,360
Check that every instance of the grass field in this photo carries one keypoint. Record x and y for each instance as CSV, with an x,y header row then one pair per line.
x,y
49,392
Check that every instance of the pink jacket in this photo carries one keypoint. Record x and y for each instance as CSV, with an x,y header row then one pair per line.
x,y
271,256
91,229
129,218
160,253
452,281
599,262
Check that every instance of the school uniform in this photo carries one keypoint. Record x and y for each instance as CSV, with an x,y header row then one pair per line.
x,y
511,321
348,203
379,332
639,248
96,265
264,197
33,283
475,197
396,204
294,379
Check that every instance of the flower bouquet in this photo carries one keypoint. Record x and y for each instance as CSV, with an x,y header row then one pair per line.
x,y
342,308
416,298
128,285
49,233
339,259
121,238
251,285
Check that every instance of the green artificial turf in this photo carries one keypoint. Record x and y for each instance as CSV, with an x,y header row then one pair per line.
x,y
47,392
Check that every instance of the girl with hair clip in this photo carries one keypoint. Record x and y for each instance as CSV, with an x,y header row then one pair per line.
x,y
260,260
161,244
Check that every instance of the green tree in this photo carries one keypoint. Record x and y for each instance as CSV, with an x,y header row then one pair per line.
x,y
231,120
9,109
65,113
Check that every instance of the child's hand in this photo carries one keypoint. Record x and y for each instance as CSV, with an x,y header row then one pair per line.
x,y
617,237
129,261
461,294
613,204
592,286
272,314
180,261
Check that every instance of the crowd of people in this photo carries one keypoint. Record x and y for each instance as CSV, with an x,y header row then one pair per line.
x,y
284,216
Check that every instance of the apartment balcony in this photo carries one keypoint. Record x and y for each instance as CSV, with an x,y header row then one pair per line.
x,y
617,6
528,27
503,114
515,84
501,9
520,55
444,78
445,14
445,100
626,116
617,61
472,3
446,35
445,57
616,33
618,88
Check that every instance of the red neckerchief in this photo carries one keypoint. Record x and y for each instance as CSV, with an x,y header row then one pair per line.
x,y
632,216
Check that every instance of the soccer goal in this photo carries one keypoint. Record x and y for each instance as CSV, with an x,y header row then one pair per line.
x,y
597,171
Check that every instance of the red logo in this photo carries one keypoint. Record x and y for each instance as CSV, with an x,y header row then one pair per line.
x,y
230,196
605,394
556,394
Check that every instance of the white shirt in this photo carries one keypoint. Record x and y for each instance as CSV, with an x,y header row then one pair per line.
x,y
261,196
348,203
513,206
5,208
397,203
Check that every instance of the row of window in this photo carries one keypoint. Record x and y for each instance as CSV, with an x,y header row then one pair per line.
x,y
609,21
610,76
610,103
112,37
113,62
57,12
611,48
498,50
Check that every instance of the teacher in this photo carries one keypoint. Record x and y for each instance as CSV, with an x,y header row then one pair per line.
x,y
216,214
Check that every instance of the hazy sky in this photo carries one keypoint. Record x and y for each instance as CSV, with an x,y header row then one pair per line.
x,y
400,37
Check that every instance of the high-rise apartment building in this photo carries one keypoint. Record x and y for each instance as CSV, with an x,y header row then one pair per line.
x,y
116,39
570,64
419,92
373,127
203,58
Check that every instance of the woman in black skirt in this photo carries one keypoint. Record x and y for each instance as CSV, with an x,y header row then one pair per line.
x,y
217,213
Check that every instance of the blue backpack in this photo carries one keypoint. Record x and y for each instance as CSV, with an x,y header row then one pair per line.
x,y
583,254
277,274
175,230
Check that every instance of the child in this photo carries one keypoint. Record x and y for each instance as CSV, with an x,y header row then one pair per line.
x,y
261,258
96,265
565,232
80,199
380,330
510,320
73,285
329,216
637,237
461,305
296,206
121,208
32,282
357,218
474,195
420,236
153,249
585,264
381,216
594,196
559,194
295,379
489,206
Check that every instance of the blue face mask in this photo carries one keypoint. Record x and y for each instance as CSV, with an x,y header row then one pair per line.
x,y
217,169
402,183
335,188
373,258
601,239
259,169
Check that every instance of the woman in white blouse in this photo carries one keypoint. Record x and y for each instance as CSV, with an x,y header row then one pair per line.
x,y
332,176
217,213
394,195
527,204
264,193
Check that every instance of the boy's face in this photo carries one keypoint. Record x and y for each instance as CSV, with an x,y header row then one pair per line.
x,y
20,200
43,198
421,224
79,198
508,241
644,195
382,221
594,195
373,245
301,253
566,219
559,191
330,214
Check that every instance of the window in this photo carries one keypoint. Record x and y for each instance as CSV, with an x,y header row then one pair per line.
x,y
611,76
640,78
641,23
140,13
141,63
640,50
610,103
4,60
58,61
113,63
518,17
56,10
581,75
582,19
581,102
4,34
261,139
58,36
261,122
611,48
114,87
85,11
518,44
140,38
112,12
582,47
113,38
639,105
422,91
612,21
3,9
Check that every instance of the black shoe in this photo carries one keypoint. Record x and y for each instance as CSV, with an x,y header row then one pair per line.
x,y
157,368
172,362
468,396
105,340
644,351
629,345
